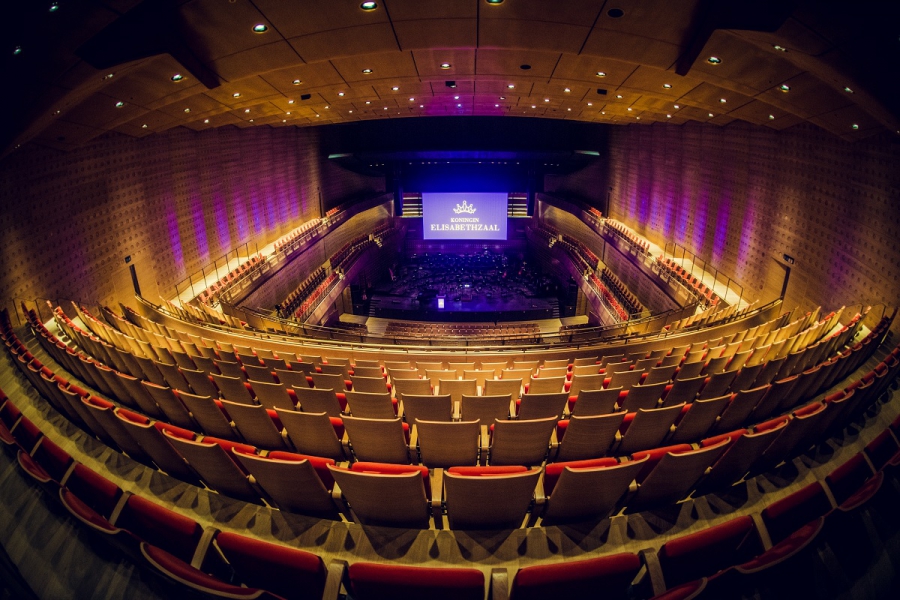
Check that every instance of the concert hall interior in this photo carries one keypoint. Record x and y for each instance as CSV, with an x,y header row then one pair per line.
x,y
461,299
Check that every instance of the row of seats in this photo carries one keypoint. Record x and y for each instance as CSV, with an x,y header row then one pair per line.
x,y
609,299
629,236
480,330
750,551
290,304
232,279
379,442
311,300
289,241
581,255
690,281
625,297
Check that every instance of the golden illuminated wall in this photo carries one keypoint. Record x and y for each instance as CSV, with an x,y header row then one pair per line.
x,y
173,202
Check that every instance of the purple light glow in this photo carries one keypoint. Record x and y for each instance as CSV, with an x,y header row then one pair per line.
x,y
221,214
174,235
197,219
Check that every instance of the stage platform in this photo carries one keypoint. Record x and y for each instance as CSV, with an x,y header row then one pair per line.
x,y
479,309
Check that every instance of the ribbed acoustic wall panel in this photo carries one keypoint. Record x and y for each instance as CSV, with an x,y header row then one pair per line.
x,y
742,197
173,202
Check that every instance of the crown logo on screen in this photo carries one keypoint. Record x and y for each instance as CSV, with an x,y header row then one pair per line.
x,y
465,207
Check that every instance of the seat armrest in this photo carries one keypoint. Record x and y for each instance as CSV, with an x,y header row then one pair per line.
x,y
485,445
437,497
499,584
336,572
651,573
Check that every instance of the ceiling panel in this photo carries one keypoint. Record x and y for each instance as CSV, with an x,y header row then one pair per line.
x,y
654,81
557,37
428,63
271,57
293,19
808,96
383,66
502,62
434,33
223,28
745,67
349,41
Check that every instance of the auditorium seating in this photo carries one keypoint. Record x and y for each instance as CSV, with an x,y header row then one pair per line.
x,y
185,441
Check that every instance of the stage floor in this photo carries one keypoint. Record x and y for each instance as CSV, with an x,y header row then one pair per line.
x,y
479,309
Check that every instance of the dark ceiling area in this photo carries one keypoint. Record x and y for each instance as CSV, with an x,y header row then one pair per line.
x,y
79,69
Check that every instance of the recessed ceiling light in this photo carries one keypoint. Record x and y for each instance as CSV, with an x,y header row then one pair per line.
x,y
668,86
109,76
459,106
369,5
771,117
855,126
567,90
54,6
668,116
677,106
710,115
503,97
848,90
57,112
511,86
421,106
385,108
236,95
17,50
615,13
296,82
206,121
120,104
629,109
590,103
638,118
351,112
317,115
714,60
246,110
601,74
367,71
784,87
546,99
412,99
251,120
780,48
395,88
368,102
187,110
177,77
144,126
569,109
290,101
287,113
619,96
260,28
340,93
602,112
723,100
456,97
496,106
327,107
533,106
495,1
446,65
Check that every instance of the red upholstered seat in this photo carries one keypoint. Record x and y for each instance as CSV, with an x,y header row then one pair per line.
x,y
370,580
553,470
789,514
577,579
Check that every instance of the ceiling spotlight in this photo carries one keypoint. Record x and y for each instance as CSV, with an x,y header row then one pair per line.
x,y
287,113
546,99
109,76
260,28
446,65
206,121
369,5
456,97
340,93
668,116
602,112
601,74
421,106
590,103
629,109
459,106
144,126
496,106
385,108
246,110
236,95
677,106
668,86
638,118
290,101
511,86
395,88
569,109
567,90
723,100
187,110
327,107
494,1
503,97
784,87
848,90
367,71
714,60
710,115
368,102
317,115
412,99
17,50
780,48
296,82
251,120
619,96
177,77
771,117
54,6
533,106
120,104
351,112
855,126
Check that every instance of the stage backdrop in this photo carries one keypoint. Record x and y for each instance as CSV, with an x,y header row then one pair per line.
x,y
469,216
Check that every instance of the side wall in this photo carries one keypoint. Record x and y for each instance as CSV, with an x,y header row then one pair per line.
x,y
173,202
743,196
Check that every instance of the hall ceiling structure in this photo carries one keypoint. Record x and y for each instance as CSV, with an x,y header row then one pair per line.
x,y
77,69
